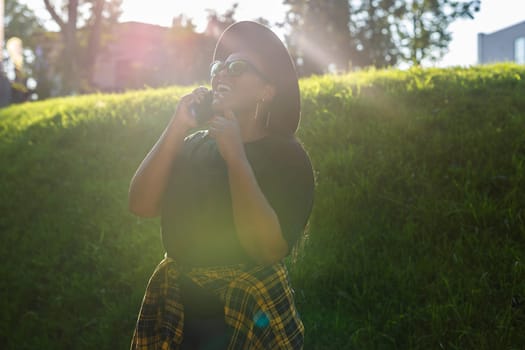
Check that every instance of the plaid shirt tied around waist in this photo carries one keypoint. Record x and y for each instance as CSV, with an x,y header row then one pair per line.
x,y
258,307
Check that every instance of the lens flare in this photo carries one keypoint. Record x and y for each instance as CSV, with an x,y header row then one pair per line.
x,y
260,319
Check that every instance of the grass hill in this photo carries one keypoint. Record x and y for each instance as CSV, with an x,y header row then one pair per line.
x,y
417,239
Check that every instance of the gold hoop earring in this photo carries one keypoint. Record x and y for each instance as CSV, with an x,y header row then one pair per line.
x,y
257,109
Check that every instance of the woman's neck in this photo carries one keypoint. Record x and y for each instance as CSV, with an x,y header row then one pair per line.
x,y
251,129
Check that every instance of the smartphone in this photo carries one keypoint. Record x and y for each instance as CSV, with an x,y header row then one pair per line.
x,y
203,111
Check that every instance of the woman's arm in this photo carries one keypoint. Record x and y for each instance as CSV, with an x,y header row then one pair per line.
x,y
150,180
257,224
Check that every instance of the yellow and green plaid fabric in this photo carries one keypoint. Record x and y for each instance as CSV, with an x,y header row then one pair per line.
x,y
258,307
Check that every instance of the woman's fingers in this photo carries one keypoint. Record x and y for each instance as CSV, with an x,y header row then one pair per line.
x,y
228,114
215,124
200,89
183,114
196,96
200,93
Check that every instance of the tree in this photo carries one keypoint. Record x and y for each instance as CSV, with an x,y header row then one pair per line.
x,y
372,23
218,22
423,32
21,21
319,35
189,53
79,47
371,32
104,15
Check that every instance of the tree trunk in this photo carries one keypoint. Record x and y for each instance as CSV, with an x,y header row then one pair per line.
x,y
68,30
71,47
94,40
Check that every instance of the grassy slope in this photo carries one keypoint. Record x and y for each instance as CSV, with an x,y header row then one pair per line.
x,y
417,239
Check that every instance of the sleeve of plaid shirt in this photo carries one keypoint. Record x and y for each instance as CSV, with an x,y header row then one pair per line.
x,y
259,307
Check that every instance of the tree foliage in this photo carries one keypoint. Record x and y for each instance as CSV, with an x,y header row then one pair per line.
x,y
319,34
82,24
189,53
21,21
371,32
422,29
373,29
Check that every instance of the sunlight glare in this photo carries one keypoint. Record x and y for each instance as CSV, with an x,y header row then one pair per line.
x,y
162,12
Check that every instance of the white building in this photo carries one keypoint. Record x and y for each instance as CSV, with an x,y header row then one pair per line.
x,y
505,45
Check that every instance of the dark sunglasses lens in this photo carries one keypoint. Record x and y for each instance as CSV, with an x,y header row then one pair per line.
x,y
234,68
215,68
237,68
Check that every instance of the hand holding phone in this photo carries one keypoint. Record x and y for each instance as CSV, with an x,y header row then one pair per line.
x,y
203,111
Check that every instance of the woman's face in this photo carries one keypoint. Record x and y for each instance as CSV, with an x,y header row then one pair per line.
x,y
240,86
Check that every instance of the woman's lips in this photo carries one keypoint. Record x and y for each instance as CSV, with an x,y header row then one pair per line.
x,y
221,87
218,99
218,95
220,92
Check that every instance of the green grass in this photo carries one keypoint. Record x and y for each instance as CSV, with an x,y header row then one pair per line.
x,y
416,241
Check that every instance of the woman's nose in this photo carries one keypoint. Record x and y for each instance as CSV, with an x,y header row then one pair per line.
x,y
220,75
221,72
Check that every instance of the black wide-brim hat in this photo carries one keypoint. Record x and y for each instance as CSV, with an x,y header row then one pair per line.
x,y
255,38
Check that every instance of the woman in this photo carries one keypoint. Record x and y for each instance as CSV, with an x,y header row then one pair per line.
x,y
233,201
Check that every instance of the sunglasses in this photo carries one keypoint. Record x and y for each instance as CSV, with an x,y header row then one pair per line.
x,y
234,68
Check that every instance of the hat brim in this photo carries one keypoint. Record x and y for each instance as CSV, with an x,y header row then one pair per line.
x,y
255,38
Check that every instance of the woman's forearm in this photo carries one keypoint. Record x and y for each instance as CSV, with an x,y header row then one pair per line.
x,y
257,223
150,179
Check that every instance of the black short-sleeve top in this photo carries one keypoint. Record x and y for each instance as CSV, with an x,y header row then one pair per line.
x,y
197,222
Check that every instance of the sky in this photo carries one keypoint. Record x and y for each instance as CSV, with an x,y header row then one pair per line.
x,y
493,15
